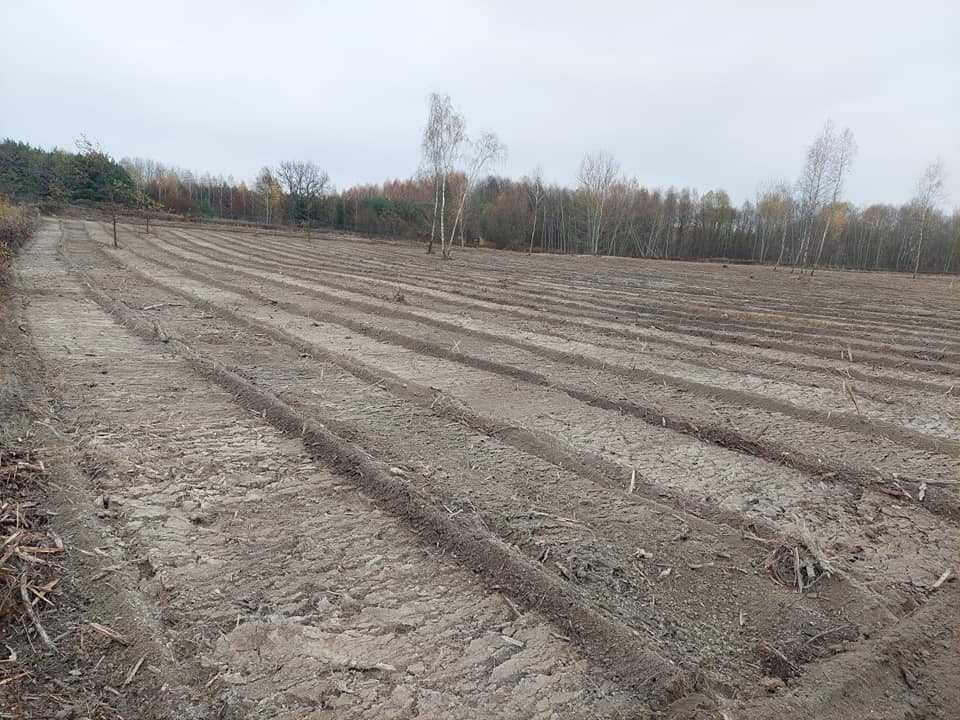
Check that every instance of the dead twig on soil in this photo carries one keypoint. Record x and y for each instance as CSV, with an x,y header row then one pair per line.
x,y
109,632
830,631
848,391
513,606
158,331
796,569
896,491
133,671
32,613
798,566
947,574
14,678
25,541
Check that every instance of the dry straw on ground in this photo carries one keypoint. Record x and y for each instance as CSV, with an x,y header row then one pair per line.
x,y
28,549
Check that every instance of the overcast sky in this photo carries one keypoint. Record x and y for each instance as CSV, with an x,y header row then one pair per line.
x,y
706,94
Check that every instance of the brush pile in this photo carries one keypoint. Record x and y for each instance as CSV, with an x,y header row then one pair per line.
x,y
28,548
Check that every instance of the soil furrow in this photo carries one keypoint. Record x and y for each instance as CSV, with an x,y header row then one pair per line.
x,y
588,531
456,295
806,295
659,415
834,405
769,503
319,602
727,318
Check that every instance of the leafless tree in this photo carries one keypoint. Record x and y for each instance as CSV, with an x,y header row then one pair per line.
x,y
304,183
929,195
267,189
487,150
598,171
814,187
535,193
303,178
442,145
842,153
774,209
783,210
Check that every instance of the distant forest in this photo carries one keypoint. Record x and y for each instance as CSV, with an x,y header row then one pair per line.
x,y
606,214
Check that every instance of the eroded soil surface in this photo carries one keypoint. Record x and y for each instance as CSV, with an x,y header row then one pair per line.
x,y
327,477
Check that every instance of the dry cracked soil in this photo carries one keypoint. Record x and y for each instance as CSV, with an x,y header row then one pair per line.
x,y
326,477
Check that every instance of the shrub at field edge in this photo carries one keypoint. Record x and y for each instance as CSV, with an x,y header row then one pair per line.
x,y
17,223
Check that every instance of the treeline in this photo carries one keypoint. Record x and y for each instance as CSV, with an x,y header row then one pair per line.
x,y
88,175
672,223
294,193
606,213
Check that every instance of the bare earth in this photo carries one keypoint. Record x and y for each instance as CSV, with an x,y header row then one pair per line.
x,y
330,478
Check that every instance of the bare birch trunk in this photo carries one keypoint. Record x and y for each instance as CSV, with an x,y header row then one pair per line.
x,y
443,209
433,223
823,240
916,264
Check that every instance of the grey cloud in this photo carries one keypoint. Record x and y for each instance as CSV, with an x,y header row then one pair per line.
x,y
705,94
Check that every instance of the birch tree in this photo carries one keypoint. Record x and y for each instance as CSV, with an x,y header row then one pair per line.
x,y
442,145
929,195
843,150
814,187
487,150
774,211
268,190
598,171
535,193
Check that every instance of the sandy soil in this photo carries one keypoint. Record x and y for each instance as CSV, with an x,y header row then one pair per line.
x,y
337,478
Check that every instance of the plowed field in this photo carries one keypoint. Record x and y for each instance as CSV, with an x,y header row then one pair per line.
x,y
358,481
